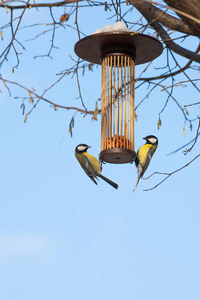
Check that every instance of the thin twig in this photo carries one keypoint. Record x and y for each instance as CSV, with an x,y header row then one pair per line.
x,y
197,134
40,97
36,5
13,36
168,174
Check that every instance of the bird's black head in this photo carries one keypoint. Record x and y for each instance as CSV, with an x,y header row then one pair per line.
x,y
151,139
81,148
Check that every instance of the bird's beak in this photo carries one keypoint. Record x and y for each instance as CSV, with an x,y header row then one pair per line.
x,y
88,147
145,138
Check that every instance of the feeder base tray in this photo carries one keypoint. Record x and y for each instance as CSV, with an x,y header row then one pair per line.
x,y
117,156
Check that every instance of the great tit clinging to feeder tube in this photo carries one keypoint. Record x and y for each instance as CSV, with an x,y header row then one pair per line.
x,y
90,164
144,156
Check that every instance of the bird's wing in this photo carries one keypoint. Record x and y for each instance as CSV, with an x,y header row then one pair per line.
x,y
149,156
89,169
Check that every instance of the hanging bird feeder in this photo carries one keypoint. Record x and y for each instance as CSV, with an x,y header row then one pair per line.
x,y
118,52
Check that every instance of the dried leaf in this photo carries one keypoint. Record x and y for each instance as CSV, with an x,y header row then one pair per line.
x,y
13,70
70,129
29,6
106,6
31,98
6,9
187,113
1,34
55,107
159,123
23,108
25,118
90,66
184,130
95,114
71,125
83,71
135,116
64,17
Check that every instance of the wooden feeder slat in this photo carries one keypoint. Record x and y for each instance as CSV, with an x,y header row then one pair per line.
x,y
113,97
125,105
121,110
118,101
110,89
132,101
102,105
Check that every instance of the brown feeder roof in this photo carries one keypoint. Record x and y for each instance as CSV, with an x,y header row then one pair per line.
x,y
91,48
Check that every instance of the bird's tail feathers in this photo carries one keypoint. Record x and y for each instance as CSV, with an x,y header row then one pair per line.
x,y
138,179
113,184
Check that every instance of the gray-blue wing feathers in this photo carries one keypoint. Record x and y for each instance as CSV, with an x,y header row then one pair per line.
x,y
89,169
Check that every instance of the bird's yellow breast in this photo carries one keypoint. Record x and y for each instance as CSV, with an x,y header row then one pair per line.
x,y
142,153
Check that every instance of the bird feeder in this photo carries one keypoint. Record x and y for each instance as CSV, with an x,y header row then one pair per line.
x,y
118,52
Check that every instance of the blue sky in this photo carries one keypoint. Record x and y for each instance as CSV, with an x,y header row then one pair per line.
x,y
61,236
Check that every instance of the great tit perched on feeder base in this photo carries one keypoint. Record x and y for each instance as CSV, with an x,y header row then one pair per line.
x,y
91,165
144,156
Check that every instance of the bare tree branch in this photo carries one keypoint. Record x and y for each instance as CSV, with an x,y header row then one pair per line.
x,y
14,34
188,11
165,36
194,140
168,174
38,97
55,4
162,17
173,73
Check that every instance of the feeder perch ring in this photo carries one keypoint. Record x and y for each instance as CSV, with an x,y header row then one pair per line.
x,y
117,156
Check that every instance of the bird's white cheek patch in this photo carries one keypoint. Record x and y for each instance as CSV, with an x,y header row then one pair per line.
x,y
81,148
152,140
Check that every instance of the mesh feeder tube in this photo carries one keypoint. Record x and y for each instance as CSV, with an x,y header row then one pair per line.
x,y
118,53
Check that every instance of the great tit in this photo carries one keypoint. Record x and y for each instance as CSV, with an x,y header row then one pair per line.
x,y
90,164
144,156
